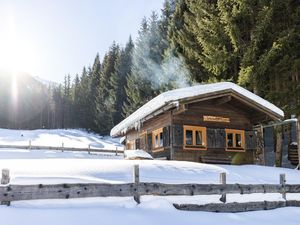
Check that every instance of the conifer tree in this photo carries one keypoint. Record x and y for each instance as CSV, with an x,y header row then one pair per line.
x,y
104,104
118,82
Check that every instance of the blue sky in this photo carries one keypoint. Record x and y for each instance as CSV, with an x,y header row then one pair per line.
x,y
52,38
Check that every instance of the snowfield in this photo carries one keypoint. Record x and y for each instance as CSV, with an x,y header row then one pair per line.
x,y
50,167
69,138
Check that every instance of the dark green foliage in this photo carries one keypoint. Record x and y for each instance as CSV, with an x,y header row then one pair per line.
x,y
105,102
118,81
183,42
253,43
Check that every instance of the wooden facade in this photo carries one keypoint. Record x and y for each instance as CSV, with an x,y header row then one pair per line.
x,y
210,129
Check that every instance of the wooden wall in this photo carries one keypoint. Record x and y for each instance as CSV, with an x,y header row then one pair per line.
x,y
192,114
216,136
161,121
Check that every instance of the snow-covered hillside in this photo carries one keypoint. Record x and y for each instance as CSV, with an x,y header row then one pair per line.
x,y
49,167
70,138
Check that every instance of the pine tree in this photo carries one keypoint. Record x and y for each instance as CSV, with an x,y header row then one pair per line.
x,y
76,103
183,42
104,104
95,77
118,82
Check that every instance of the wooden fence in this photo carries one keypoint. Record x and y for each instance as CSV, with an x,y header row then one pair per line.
x,y
11,192
63,148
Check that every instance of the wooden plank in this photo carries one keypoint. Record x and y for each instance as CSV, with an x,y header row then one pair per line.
x,y
64,191
166,136
223,100
250,140
237,207
178,135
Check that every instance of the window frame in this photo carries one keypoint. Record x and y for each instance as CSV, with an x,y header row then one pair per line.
x,y
243,141
158,147
194,146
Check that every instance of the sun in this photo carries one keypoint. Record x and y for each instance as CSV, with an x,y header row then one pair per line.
x,y
17,54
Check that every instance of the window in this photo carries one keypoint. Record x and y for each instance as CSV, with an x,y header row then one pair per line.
x,y
194,137
235,140
157,139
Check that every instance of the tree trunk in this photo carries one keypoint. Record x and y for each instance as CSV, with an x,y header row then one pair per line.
x,y
298,139
278,154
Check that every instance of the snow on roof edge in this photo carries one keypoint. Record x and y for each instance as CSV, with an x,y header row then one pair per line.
x,y
168,97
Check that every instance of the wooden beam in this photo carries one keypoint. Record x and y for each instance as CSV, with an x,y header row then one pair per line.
x,y
181,109
237,207
64,191
222,100
255,105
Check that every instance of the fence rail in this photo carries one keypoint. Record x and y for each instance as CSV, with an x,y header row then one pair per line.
x,y
62,148
12,192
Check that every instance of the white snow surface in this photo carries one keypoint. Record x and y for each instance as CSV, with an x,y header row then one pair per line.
x,y
133,154
153,209
52,167
172,97
57,137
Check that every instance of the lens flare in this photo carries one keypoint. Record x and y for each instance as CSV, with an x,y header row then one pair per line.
x,y
14,90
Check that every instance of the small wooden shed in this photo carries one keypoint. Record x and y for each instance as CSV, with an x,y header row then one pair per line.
x,y
211,123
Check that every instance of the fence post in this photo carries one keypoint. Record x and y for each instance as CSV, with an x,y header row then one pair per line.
x,y
136,180
223,182
5,180
89,149
62,147
282,182
29,144
116,150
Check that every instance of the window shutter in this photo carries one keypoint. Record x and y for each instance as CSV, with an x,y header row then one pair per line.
x,y
211,138
178,135
216,138
250,139
149,144
221,138
166,136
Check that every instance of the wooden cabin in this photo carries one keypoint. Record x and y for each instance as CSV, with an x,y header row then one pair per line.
x,y
211,123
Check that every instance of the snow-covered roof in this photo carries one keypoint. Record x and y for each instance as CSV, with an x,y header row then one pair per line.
x,y
172,98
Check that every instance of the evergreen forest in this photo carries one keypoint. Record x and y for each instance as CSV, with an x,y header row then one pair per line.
x,y
254,43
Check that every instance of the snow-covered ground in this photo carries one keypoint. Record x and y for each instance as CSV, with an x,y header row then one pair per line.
x,y
69,138
34,167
